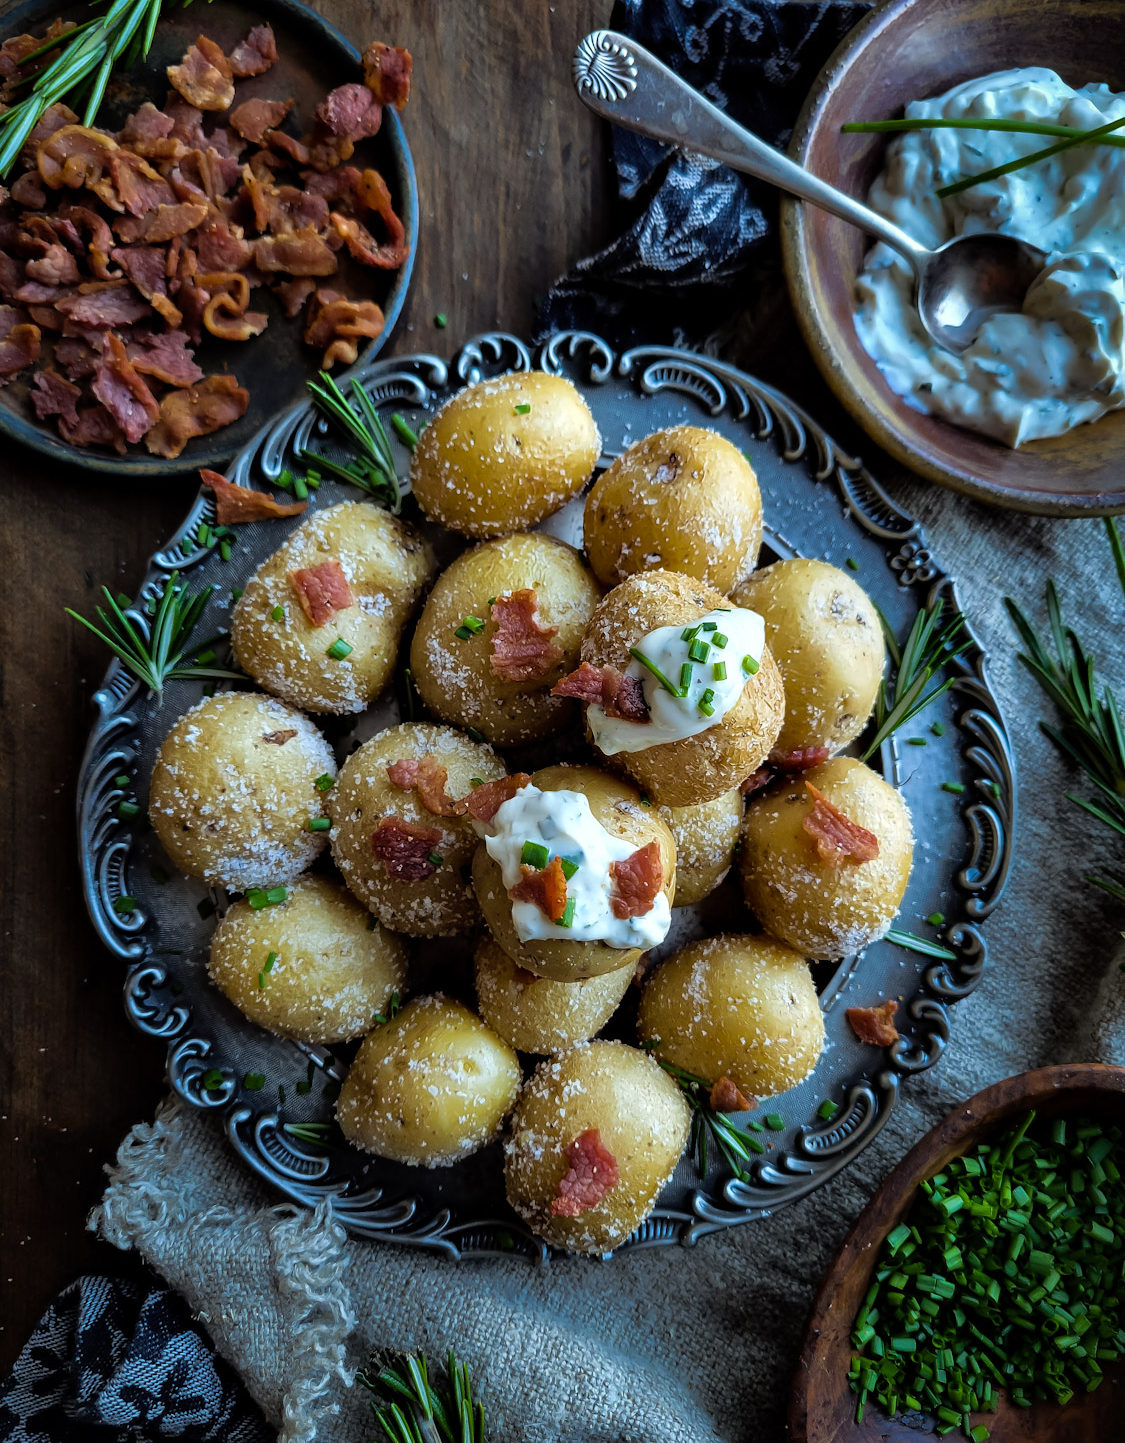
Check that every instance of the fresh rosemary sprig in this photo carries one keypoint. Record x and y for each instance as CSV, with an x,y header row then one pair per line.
x,y
928,647
732,1146
409,1409
374,471
1091,733
163,654
86,56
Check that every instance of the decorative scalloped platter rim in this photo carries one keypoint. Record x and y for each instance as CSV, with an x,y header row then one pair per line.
x,y
818,501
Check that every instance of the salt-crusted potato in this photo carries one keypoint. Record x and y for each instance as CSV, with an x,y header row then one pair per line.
x,y
384,563
826,907
705,836
537,1014
429,1086
619,808
737,1007
681,500
501,455
310,967
234,788
610,1109
461,679
365,801
825,636
702,767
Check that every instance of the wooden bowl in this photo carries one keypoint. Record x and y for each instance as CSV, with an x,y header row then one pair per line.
x,y
822,1406
908,50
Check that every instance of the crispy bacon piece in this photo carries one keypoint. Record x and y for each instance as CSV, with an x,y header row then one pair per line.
x,y
55,267
544,886
386,73
756,781
522,647
303,253
235,504
225,314
591,1176
350,111
338,324
53,395
196,410
619,695
255,54
122,391
277,739
293,294
297,151
838,839
132,185
371,194
74,156
27,190
104,304
94,427
165,356
19,341
254,117
11,275
203,76
100,241
428,777
166,222
636,882
799,760
485,801
148,132
874,1026
405,849
725,1096
322,590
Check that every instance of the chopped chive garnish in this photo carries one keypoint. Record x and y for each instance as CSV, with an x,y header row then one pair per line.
x,y
462,632
915,741
774,1121
254,1082
405,433
440,320
523,408
262,981
207,657
320,824
567,918
534,854
226,549
651,666
936,919
749,665
955,787
828,1109
689,633
340,649
271,958
128,810
708,626
699,649
212,1079
707,703
276,894
719,671
285,480
203,534
435,859
852,564
476,782
470,626
685,678
938,729
476,734
719,640
646,800
258,897
277,613
123,780
236,592
569,867
300,489
125,906
325,782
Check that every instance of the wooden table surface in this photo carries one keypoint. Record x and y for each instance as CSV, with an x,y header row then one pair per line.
x,y
513,185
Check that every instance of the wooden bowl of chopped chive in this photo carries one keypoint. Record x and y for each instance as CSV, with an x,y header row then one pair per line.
x,y
907,50
980,1295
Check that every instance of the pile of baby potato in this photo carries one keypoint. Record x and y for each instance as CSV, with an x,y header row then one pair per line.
x,y
246,793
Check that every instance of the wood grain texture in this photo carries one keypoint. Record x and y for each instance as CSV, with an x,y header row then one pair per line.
x,y
511,172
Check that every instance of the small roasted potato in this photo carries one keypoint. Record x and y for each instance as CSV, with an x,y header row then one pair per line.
x,y
537,1014
501,455
430,1086
233,790
696,768
826,907
682,500
311,967
706,836
826,638
619,808
737,1007
346,581
596,1134
463,678
385,838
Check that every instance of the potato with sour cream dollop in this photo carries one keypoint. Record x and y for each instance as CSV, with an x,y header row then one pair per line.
x,y
684,753
608,866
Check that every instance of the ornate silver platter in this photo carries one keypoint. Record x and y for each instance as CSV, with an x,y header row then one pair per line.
x,y
959,785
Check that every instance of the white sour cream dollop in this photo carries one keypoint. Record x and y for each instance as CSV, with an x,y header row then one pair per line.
x,y
742,634
1061,361
563,824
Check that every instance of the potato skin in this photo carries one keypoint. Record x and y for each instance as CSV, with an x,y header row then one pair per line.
x,y
387,564
430,1086
682,500
443,903
454,677
231,806
741,1007
705,836
825,636
485,469
821,910
699,768
537,1014
331,973
642,1119
617,805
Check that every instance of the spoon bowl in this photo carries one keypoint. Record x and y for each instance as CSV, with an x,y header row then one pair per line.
x,y
973,277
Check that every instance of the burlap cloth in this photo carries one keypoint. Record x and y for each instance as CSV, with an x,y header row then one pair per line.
x,y
674,1344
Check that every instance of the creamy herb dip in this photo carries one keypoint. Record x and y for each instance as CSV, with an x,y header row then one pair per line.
x,y
563,824
1061,361
715,675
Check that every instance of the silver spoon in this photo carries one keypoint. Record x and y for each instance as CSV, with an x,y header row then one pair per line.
x,y
956,287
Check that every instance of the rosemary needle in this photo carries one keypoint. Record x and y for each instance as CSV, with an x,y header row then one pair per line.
x,y
929,646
